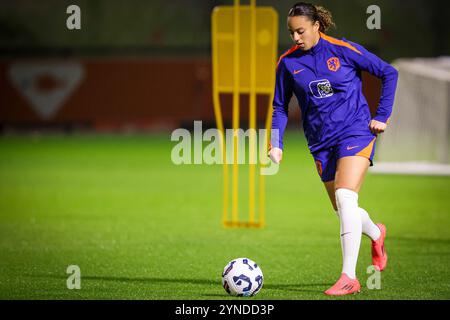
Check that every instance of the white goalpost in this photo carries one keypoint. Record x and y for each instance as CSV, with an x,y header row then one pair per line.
x,y
417,140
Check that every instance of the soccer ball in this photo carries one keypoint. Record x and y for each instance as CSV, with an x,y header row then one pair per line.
x,y
242,277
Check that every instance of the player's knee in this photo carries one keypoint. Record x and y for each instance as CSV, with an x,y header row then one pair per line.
x,y
346,198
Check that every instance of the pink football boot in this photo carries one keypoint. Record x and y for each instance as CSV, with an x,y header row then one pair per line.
x,y
344,286
379,255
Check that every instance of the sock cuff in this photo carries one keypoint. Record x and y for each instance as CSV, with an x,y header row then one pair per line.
x,y
346,196
347,191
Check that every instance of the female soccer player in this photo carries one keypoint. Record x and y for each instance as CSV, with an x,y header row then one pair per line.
x,y
324,73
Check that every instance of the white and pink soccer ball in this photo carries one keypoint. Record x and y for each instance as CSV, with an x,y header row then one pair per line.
x,y
242,277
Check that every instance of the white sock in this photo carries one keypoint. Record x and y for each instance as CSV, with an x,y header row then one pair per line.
x,y
369,228
351,229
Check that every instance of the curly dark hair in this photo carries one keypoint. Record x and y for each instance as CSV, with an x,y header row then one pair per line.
x,y
313,12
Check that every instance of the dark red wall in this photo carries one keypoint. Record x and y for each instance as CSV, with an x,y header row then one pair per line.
x,y
147,93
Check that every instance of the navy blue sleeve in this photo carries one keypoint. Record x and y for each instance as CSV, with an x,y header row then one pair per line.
x,y
282,96
367,61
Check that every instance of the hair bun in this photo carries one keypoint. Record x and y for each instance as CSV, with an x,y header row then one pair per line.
x,y
325,18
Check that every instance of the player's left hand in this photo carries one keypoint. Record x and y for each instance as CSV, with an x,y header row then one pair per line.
x,y
377,127
276,155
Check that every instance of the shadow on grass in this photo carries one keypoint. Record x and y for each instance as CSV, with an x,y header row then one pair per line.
x,y
153,280
290,287
283,287
209,282
299,287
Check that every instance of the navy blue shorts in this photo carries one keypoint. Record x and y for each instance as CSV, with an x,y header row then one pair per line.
x,y
326,159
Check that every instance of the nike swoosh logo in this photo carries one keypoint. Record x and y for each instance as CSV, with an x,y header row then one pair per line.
x,y
345,234
298,71
350,148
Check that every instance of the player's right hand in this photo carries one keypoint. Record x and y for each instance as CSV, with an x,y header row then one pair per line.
x,y
377,127
276,155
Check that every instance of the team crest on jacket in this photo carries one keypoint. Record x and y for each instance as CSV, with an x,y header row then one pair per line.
x,y
334,64
321,88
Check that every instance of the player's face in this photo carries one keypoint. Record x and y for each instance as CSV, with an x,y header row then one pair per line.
x,y
303,31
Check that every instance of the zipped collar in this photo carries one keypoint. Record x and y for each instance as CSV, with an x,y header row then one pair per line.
x,y
314,50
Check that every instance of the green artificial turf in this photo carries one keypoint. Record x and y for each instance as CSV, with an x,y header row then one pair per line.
x,y
140,227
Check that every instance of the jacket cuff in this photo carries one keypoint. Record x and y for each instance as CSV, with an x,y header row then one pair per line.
x,y
383,119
